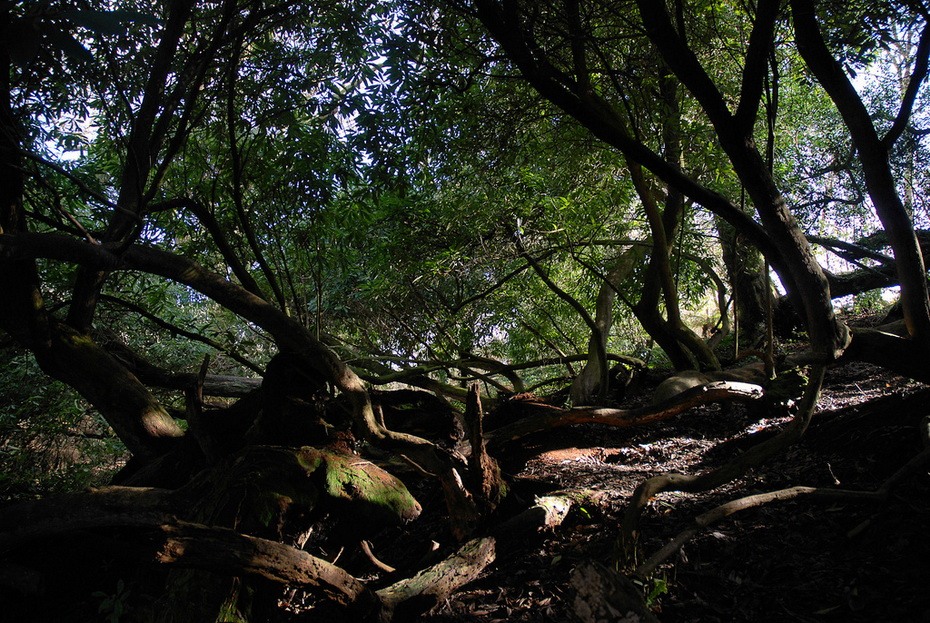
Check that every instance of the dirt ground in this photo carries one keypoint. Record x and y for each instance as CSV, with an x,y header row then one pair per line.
x,y
798,560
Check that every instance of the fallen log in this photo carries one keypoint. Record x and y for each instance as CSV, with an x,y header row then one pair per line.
x,y
224,550
548,512
431,586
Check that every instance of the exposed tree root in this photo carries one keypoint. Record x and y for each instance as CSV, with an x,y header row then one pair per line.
x,y
224,550
621,418
484,482
723,511
734,469
365,546
314,355
431,586
150,531
99,508
889,347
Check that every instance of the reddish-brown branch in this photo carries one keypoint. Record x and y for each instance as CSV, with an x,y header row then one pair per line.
x,y
622,418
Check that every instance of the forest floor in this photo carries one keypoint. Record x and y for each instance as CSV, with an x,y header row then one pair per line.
x,y
798,560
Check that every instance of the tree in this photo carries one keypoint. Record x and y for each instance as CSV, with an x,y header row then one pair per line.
x,y
180,103
301,188
565,53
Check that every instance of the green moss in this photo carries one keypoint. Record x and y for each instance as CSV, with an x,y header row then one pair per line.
x,y
309,459
367,488
229,613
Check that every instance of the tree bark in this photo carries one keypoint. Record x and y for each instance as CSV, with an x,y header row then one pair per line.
x,y
874,157
137,417
744,267
603,594
133,412
147,524
799,270
583,389
409,598
287,332
485,482
144,143
553,418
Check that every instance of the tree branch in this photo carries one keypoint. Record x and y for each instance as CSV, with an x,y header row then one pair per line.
x,y
756,67
585,316
219,237
913,87
554,418
176,330
289,334
873,154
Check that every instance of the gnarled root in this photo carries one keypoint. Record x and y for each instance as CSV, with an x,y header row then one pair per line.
x,y
723,511
739,466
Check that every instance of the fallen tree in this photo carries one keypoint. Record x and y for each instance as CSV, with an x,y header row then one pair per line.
x,y
541,418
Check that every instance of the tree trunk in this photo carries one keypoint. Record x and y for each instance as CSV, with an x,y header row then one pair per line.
x,y
873,153
136,416
799,270
585,387
747,282
143,146
684,347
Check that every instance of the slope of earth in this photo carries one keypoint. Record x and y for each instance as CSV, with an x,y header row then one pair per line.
x,y
798,560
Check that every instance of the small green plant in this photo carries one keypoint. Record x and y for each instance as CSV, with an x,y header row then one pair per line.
x,y
652,589
868,302
659,588
114,606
